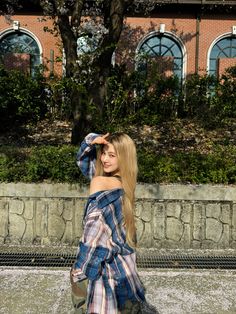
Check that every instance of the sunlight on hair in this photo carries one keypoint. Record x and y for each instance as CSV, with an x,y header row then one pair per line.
x,y
127,161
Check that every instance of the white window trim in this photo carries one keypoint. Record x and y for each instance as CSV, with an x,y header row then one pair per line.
x,y
24,31
222,36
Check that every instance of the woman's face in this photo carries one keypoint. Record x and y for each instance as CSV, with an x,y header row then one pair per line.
x,y
109,159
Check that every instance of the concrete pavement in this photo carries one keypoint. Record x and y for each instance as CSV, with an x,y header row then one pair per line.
x,y
47,291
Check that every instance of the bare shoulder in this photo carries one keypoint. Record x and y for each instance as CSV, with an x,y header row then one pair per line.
x,y
101,183
96,184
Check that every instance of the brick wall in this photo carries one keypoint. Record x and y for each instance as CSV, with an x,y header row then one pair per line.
x,y
225,63
35,25
183,26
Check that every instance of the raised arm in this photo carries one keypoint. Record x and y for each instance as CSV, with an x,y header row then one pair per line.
x,y
86,156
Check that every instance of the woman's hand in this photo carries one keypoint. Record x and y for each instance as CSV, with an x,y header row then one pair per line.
x,y
101,140
75,272
77,275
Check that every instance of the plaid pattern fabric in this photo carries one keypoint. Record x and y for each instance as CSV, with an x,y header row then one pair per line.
x,y
103,254
86,156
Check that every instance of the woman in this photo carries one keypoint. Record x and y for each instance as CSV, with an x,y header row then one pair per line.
x,y
106,257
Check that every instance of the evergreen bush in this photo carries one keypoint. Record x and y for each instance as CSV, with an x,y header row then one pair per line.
x,y
57,164
23,99
132,99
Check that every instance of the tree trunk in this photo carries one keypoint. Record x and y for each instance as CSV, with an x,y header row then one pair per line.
x,y
78,106
113,17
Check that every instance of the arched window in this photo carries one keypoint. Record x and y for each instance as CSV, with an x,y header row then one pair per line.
x,y
162,50
222,55
19,50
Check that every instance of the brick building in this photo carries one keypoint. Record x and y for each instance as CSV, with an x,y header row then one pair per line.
x,y
180,37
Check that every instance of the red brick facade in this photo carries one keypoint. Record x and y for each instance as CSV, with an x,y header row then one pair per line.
x,y
35,27
195,35
185,28
225,63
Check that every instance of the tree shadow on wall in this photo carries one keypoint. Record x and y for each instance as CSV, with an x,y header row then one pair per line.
x,y
126,51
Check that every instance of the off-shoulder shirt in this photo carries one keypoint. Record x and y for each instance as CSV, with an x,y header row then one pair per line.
x,y
103,255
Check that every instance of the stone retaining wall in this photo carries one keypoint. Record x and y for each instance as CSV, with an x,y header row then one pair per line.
x,y
168,216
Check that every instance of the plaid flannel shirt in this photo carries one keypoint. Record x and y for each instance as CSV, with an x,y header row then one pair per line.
x,y
103,255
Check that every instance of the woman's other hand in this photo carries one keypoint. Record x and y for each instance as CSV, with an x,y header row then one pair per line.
x,y
77,275
76,271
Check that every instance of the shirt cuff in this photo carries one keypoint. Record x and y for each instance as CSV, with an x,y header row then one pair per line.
x,y
90,137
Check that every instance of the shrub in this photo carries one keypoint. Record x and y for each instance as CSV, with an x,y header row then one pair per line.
x,y
134,98
57,164
12,164
50,163
217,167
22,98
224,104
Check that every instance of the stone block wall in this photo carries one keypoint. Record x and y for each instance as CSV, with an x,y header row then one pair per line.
x,y
186,224
167,216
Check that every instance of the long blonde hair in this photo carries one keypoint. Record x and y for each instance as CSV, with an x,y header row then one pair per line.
x,y
128,169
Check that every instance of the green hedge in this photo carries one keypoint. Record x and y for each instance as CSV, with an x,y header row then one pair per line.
x,y
57,164
23,99
43,163
219,167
